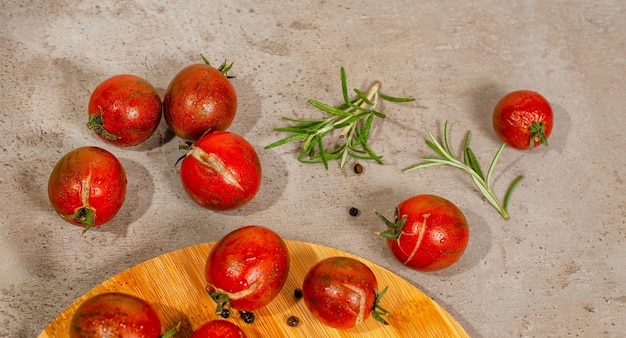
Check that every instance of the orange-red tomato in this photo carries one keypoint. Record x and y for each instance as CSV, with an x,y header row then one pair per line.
x,y
523,119
341,292
115,314
221,171
247,268
124,110
218,328
199,99
87,186
429,233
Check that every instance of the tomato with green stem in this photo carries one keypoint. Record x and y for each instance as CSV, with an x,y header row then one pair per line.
x,y
200,99
523,119
428,233
87,186
124,110
246,269
342,292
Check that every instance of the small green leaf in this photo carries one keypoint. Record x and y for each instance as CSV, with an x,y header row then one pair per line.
x,y
395,99
363,97
297,137
473,163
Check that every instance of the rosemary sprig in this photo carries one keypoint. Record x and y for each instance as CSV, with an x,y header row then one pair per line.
x,y
354,118
470,164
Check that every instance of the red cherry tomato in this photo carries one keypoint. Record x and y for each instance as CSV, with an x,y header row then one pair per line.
x,y
87,187
523,119
221,171
247,268
218,329
429,233
124,110
115,314
342,292
199,99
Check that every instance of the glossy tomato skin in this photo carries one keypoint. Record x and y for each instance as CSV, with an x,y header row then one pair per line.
x,y
87,181
127,110
218,328
221,171
249,265
340,291
434,235
199,99
515,114
114,314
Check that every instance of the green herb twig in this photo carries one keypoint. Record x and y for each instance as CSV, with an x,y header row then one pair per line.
x,y
353,117
224,68
470,165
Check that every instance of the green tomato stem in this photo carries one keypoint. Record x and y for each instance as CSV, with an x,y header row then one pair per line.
x,y
85,215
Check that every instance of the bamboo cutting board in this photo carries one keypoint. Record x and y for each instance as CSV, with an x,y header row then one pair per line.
x,y
174,284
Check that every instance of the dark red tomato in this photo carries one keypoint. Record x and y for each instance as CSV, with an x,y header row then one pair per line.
x,y
218,329
221,171
342,292
87,186
429,233
124,110
199,99
115,314
523,119
247,268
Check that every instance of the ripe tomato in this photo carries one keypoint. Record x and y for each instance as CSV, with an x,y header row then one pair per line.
x,y
218,329
247,268
342,292
221,171
115,314
199,99
124,110
429,233
523,119
87,187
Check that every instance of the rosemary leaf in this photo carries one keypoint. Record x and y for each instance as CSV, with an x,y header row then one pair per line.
x,y
395,99
473,163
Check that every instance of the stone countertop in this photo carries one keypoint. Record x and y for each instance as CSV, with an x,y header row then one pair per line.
x,y
555,269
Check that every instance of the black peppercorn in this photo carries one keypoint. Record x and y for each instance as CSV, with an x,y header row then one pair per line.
x,y
293,321
297,293
248,317
354,212
225,313
358,168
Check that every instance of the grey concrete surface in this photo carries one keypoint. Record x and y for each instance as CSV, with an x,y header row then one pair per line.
x,y
555,269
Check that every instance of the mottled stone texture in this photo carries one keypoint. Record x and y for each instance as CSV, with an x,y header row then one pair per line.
x,y
555,269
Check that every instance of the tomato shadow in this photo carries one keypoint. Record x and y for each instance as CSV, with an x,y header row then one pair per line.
x,y
162,135
273,184
172,317
33,178
139,195
248,107
484,98
561,129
